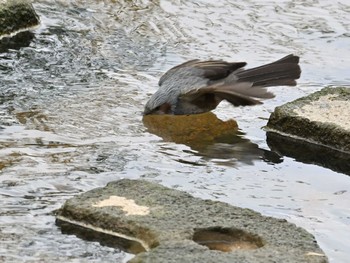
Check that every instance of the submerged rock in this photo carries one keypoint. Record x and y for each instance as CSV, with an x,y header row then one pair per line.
x,y
209,137
172,226
190,129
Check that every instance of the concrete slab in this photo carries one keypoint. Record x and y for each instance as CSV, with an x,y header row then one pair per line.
x,y
173,226
322,118
16,16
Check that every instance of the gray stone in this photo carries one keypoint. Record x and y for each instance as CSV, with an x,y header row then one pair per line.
x,y
322,118
173,226
16,16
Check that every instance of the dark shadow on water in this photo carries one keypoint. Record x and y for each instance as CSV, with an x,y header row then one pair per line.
x,y
22,39
209,138
309,153
232,149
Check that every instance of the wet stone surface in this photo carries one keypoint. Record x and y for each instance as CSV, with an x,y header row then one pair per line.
x,y
173,226
322,118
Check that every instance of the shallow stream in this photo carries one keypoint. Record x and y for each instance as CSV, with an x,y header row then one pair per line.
x,y
72,95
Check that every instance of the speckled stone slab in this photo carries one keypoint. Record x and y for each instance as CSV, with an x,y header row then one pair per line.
x,y
322,118
173,226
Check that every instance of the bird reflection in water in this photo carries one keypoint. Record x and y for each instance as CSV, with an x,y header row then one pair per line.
x,y
209,137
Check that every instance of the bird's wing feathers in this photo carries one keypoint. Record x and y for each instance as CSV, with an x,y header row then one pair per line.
x,y
173,70
215,72
239,94
211,69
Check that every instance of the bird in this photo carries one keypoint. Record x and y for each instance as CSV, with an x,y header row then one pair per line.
x,y
196,86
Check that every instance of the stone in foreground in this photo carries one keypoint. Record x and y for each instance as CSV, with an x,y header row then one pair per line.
x,y
173,226
16,16
322,118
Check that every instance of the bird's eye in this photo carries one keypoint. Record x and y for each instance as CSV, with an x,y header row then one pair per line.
x,y
157,108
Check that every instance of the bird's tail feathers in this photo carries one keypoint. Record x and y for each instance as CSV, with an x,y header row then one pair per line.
x,y
282,72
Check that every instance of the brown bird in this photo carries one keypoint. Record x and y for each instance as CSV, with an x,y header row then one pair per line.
x,y
199,86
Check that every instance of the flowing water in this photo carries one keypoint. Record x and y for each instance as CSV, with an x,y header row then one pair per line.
x,y
72,93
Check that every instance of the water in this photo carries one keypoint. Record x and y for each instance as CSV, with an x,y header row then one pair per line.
x,y
71,100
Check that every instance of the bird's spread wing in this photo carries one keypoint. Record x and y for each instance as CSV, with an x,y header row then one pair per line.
x,y
211,69
239,94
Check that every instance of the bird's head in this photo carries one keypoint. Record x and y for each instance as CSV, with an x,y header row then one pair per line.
x,y
158,104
